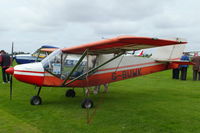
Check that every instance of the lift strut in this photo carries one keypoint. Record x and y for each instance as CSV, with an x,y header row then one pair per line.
x,y
77,64
89,71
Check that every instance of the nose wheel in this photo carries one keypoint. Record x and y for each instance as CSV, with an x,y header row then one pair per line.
x,y
36,100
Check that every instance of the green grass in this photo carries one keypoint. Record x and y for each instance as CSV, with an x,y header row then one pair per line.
x,y
149,104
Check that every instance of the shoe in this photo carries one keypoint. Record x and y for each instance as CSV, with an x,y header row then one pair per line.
x,y
4,82
8,82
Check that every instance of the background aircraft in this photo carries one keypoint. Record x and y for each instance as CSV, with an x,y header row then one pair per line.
x,y
38,55
98,63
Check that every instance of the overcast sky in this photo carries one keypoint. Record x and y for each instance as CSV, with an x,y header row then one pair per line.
x,y
65,23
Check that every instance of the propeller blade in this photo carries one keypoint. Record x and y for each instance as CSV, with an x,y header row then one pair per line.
x,y
11,87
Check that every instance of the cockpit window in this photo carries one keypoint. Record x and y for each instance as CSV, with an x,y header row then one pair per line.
x,y
52,62
61,64
40,54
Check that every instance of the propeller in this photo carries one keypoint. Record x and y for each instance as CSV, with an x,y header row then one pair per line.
x,y
11,82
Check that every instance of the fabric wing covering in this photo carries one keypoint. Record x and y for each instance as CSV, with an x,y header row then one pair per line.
x,y
122,43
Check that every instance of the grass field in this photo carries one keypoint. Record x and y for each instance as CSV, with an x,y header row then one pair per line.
x,y
149,104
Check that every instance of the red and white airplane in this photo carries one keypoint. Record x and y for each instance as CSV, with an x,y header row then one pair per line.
x,y
98,63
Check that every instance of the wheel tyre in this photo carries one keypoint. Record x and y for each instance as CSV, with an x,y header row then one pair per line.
x,y
36,100
70,93
87,104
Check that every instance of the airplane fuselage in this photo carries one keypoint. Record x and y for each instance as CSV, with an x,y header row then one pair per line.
x,y
122,68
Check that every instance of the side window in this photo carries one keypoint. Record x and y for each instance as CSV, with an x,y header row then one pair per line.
x,y
69,63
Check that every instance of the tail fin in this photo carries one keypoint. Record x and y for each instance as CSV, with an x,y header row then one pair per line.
x,y
141,54
171,52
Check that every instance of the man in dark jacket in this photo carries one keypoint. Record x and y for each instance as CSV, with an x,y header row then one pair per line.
x,y
5,61
196,69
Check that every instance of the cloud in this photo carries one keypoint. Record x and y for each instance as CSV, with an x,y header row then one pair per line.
x,y
35,22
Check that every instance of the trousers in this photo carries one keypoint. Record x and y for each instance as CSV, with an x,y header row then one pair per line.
x,y
6,77
196,74
183,73
175,73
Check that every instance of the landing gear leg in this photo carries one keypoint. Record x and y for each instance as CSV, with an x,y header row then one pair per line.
x,y
36,100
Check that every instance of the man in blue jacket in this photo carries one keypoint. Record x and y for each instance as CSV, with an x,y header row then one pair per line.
x,y
183,68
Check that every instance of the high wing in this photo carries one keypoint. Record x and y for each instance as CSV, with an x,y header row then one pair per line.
x,y
122,43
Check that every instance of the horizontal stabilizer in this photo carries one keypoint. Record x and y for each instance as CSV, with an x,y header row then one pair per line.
x,y
179,62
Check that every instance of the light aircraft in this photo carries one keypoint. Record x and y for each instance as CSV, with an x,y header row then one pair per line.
x,y
138,53
38,55
98,63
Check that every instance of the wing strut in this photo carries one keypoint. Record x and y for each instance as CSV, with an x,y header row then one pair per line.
x,y
77,64
92,70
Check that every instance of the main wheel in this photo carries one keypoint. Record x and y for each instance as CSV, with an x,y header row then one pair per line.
x,y
36,100
70,93
87,103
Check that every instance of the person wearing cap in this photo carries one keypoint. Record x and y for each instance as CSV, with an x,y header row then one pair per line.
x,y
5,62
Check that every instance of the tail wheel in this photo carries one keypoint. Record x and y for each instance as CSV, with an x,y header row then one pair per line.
x,y
36,100
70,93
87,103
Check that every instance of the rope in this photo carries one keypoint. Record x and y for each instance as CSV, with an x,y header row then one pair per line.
x,y
101,100
91,117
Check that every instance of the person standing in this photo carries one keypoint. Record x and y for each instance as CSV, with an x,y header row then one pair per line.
x,y
5,61
183,68
196,69
175,73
